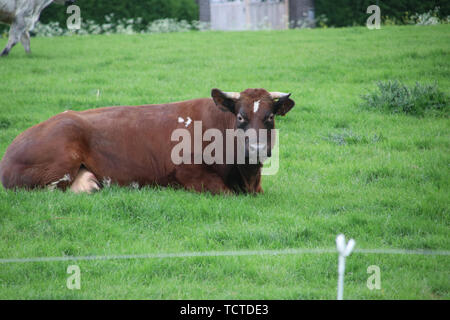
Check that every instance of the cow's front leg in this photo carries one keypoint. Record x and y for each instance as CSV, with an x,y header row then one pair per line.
x,y
15,34
25,40
200,178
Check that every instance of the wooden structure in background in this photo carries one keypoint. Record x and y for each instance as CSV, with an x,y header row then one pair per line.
x,y
255,14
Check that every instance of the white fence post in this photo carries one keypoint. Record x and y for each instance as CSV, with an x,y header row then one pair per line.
x,y
344,251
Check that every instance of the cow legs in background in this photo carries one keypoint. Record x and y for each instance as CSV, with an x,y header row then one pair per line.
x,y
25,40
16,33
85,181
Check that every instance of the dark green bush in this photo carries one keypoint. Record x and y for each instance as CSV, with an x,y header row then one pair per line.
x,y
395,97
339,13
96,10
342,13
148,10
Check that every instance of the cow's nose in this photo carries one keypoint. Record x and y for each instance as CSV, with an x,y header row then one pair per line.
x,y
257,147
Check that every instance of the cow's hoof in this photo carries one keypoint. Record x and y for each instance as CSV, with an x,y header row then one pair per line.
x,y
85,182
4,53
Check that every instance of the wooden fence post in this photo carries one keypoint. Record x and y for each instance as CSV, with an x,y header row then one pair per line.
x,y
247,14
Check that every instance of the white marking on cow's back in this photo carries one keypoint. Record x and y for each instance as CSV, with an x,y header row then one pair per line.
x,y
186,123
256,106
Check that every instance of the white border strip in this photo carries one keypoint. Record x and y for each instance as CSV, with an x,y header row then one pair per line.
x,y
224,253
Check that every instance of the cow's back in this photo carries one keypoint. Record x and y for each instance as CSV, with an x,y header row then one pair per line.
x,y
8,9
140,137
126,144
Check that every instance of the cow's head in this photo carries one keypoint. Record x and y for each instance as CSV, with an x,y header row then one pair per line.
x,y
255,109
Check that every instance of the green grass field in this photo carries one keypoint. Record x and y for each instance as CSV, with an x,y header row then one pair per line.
x,y
386,188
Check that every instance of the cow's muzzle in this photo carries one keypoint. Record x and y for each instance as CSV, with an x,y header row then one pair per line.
x,y
258,152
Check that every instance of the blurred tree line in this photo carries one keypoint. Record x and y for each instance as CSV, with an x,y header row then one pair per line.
x,y
148,10
338,13
341,13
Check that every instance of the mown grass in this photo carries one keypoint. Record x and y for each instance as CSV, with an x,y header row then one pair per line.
x,y
380,178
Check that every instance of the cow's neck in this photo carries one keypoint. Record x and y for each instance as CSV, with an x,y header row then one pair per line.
x,y
250,175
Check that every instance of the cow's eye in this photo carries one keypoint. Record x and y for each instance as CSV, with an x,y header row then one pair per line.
x,y
240,118
270,118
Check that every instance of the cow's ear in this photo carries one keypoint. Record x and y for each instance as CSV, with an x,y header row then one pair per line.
x,y
226,101
283,105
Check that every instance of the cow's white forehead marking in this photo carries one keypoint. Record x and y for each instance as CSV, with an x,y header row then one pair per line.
x,y
180,120
256,106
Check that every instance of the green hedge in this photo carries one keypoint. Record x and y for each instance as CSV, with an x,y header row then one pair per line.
x,y
148,10
341,13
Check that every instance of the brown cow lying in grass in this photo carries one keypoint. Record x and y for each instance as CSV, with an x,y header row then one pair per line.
x,y
140,145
